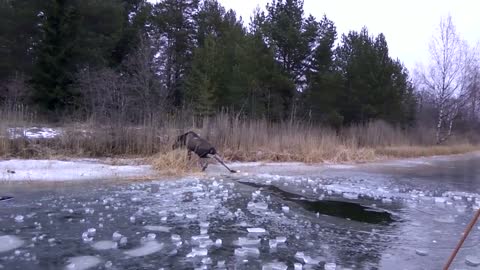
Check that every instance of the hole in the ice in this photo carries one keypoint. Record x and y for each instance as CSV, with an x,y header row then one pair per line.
x,y
342,209
5,198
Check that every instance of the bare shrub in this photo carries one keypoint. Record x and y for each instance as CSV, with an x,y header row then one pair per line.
x,y
104,94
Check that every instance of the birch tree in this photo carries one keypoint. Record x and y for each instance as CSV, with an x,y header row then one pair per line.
x,y
445,76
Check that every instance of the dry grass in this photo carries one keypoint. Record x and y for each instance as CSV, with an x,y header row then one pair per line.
x,y
234,138
174,163
423,151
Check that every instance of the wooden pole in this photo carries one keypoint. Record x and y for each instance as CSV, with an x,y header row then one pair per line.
x,y
460,243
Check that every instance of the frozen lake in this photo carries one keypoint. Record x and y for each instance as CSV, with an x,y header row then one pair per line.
x,y
390,215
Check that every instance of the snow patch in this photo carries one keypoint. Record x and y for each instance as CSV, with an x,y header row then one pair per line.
x,y
34,132
57,170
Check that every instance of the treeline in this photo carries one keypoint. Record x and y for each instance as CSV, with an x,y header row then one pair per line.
x,y
130,60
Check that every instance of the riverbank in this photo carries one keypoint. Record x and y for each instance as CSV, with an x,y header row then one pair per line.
x,y
236,140
175,162
28,170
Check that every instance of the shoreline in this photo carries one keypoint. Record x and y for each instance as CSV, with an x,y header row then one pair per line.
x,y
123,169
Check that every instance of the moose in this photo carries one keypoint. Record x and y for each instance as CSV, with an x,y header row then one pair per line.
x,y
194,143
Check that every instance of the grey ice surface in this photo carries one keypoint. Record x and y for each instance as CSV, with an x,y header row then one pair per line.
x,y
408,214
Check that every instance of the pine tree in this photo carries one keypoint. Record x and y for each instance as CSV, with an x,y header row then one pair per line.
x,y
202,84
323,79
101,30
54,69
374,85
18,33
175,30
74,35
267,89
136,16
291,36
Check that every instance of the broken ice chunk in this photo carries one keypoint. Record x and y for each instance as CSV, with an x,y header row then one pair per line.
x,y
275,266
281,239
116,236
330,266
176,238
472,260
91,231
247,251
157,228
256,230
82,262
197,252
243,241
123,241
104,245
421,252
151,236
148,248
307,259
440,199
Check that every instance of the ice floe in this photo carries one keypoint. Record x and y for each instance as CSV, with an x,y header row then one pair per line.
x,y
147,248
10,242
104,245
82,262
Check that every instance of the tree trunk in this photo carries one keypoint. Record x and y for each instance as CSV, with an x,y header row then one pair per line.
x,y
439,125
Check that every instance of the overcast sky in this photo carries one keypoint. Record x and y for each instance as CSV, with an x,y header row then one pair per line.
x,y
408,25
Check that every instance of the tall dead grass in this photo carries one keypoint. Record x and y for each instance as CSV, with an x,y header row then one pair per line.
x,y
260,140
173,162
235,138
424,151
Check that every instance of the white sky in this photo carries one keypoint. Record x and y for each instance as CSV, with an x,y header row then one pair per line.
x,y
408,25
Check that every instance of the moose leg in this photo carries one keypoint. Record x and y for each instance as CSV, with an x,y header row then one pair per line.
x,y
189,154
203,163
221,162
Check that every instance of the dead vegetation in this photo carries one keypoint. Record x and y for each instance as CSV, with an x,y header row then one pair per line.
x,y
174,162
236,139
423,151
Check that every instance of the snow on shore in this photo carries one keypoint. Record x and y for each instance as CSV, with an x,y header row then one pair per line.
x,y
94,169
56,170
34,132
